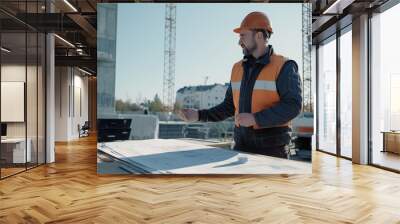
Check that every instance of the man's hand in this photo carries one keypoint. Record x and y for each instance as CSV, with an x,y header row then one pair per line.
x,y
189,115
245,120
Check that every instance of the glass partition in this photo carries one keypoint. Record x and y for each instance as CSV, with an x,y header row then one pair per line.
x,y
327,96
346,94
14,152
23,89
385,89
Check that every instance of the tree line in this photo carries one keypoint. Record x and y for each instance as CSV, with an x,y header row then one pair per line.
x,y
155,105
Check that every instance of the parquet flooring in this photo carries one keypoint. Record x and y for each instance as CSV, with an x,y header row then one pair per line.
x,y
70,191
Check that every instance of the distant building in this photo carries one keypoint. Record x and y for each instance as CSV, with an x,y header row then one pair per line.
x,y
202,96
106,56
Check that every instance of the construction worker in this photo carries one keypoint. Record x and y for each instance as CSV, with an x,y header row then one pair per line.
x,y
264,93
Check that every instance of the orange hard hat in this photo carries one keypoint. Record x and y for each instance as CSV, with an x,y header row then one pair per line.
x,y
255,20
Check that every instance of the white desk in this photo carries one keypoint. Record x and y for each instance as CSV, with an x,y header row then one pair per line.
x,y
16,146
170,156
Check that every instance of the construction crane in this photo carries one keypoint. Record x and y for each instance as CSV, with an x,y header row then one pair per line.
x,y
206,79
306,76
169,56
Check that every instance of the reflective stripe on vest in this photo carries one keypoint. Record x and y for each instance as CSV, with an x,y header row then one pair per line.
x,y
264,93
258,85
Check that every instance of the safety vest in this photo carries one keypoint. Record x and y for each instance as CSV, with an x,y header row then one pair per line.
x,y
264,93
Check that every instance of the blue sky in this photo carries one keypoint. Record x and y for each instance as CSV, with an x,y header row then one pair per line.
x,y
205,43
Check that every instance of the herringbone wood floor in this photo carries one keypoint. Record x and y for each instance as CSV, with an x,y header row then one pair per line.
x,y
70,191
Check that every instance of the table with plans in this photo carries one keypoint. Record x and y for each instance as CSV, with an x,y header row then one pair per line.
x,y
173,156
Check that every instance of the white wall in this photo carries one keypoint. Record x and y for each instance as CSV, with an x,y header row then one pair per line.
x,y
33,126
12,99
79,117
70,83
61,103
12,73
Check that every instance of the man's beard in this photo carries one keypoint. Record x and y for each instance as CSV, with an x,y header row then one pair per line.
x,y
248,51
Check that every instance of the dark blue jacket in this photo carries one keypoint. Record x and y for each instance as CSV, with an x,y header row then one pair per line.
x,y
288,85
